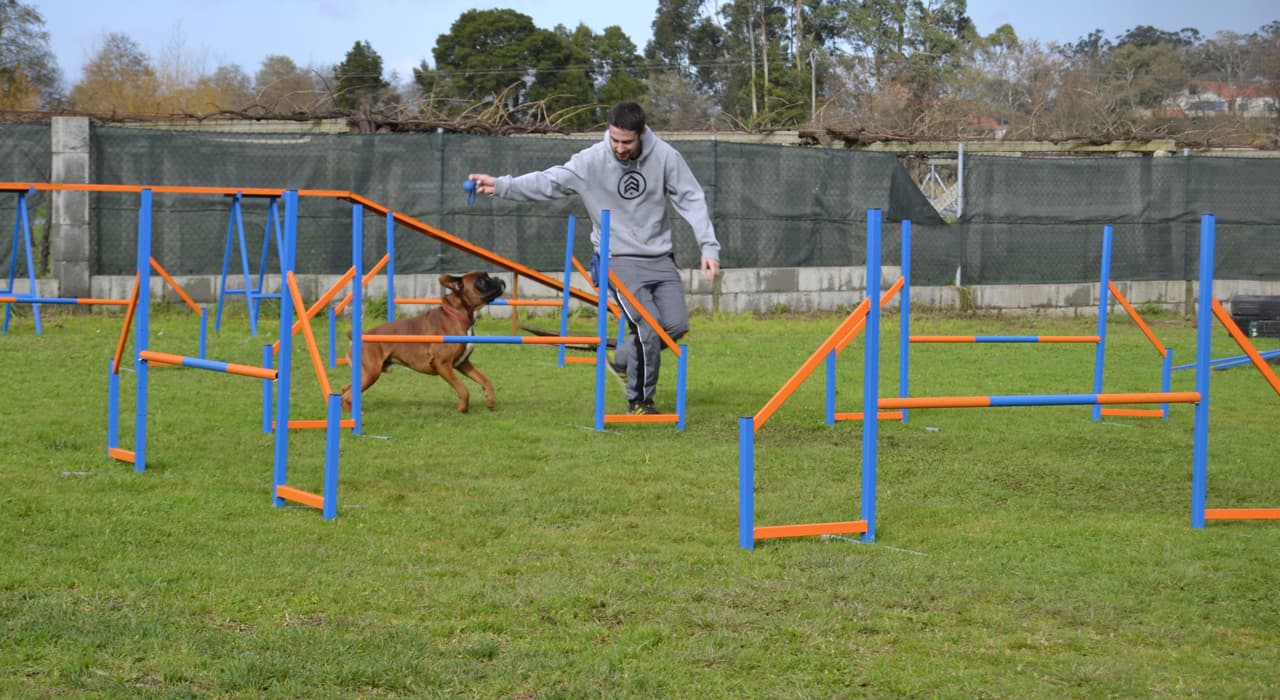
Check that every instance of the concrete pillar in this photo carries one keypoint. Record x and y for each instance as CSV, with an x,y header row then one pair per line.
x,y
70,249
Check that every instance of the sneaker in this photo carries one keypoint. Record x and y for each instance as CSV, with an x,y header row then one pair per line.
x,y
642,408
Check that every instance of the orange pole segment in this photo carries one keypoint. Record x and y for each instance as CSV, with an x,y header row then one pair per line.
x,y
838,528
880,415
313,350
1070,339
384,338
857,328
1242,513
128,324
1229,323
1134,412
628,418
315,308
121,454
1137,318
943,339
580,360
313,424
176,287
165,358
559,340
103,302
306,498
801,374
644,313
364,281
1151,397
935,402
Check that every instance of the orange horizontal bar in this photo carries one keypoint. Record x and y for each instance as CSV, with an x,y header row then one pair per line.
x,y
320,423
231,367
1134,412
580,360
507,302
560,340
943,339
1151,397
306,498
103,302
838,528
628,418
936,402
121,454
1242,513
882,415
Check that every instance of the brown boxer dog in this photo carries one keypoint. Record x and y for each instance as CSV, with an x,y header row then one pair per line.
x,y
455,316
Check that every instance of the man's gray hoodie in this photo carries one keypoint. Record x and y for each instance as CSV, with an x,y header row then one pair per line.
x,y
635,192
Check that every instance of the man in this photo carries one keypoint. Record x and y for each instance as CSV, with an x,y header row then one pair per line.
x,y
633,174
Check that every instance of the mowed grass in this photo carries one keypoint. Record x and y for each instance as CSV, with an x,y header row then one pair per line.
x,y
1020,552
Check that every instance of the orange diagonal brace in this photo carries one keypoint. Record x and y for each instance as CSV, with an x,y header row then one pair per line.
x,y
128,324
1137,318
316,362
644,313
176,287
1229,323
807,368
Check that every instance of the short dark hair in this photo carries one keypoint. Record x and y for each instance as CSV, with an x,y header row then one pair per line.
x,y
627,115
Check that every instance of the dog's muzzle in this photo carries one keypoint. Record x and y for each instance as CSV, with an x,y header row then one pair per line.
x,y
490,287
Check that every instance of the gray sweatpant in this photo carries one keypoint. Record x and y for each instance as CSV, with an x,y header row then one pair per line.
x,y
656,284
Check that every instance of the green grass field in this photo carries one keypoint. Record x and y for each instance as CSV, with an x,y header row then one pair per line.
x,y
1020,552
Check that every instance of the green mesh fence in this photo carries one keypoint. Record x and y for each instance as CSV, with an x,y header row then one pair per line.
x,y
25,156
1029,220
1025,220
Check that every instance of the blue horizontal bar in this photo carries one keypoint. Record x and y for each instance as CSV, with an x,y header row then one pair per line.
x,y
489,339
1006,338
21,299
1046,400
198,363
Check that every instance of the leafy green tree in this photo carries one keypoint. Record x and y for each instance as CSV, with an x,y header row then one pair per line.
x,y
617,70
29,73
359,79
482,56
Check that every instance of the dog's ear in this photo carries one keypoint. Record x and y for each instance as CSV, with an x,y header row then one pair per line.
x,y
451,282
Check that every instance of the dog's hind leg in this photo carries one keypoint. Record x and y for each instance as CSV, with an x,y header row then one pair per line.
x,y
476,376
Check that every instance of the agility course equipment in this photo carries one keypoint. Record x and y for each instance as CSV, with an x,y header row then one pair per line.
x,y
1209,310
1107,290
251,291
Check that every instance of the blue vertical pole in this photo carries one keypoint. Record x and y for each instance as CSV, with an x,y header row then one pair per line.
x,y
357,315
25,218
204,332
391,266
682,382
564,295
831,387
113,406
904,333
333,432
285,363
602,318
871,377
1166,379
746,482
267,387
1104,299
142,330
1204,337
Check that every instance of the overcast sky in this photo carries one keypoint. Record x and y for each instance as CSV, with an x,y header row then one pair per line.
x,y
403,32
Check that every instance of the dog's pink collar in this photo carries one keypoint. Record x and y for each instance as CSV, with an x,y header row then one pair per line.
x,y
454,315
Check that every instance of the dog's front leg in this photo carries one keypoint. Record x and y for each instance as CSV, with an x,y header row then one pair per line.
x,y
476,376
446,373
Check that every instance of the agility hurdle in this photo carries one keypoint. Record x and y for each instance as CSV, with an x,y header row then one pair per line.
x,y
749,533
1107,290
601,417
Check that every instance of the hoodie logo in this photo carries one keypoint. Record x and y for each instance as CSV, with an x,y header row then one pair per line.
x,y
631,185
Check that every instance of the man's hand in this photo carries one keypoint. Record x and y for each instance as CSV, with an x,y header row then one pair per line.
x,y
485,184
710,268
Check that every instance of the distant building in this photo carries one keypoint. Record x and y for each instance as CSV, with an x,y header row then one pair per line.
x,y
1207,98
